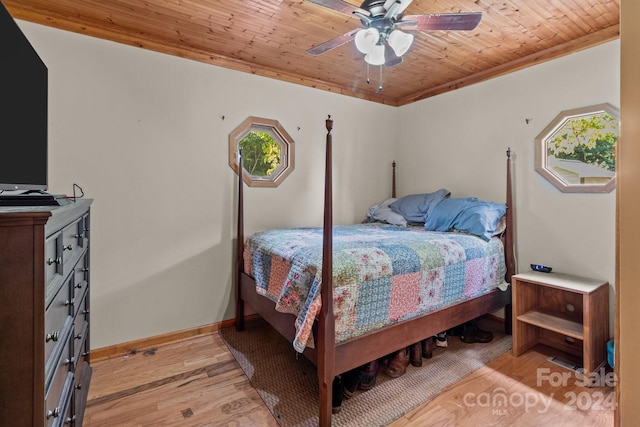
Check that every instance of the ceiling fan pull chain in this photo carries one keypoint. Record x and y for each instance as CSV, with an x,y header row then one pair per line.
x,y
368,79
380,81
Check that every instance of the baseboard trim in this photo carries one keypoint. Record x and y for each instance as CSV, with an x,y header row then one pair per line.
x,y
118,350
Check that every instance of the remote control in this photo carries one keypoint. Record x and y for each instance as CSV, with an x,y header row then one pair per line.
x,y
542,268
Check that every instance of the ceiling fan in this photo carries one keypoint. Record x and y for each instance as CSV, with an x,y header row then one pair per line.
x,y
383,21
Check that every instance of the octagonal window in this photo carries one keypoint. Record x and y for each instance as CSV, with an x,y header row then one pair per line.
x,y
576,151
267,152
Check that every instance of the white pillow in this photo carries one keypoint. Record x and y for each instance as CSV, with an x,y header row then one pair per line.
x,y
383,213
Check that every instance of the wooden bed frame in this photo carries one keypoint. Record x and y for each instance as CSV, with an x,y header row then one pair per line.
x,y
332,359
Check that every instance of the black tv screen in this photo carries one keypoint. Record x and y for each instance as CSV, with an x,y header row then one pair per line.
x,y
23,110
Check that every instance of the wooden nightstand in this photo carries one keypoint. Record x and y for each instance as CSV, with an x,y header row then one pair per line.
x,y
568,313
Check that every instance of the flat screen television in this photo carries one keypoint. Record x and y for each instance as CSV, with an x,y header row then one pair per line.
x,y
23,111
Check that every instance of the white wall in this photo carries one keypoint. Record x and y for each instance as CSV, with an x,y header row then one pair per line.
x,y
458,140
143,134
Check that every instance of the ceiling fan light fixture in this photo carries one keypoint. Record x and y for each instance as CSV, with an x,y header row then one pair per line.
x,y
376,55
391,59
400,41
367,39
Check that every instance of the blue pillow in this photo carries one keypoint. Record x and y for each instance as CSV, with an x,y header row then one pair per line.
x,y
416,207
470,215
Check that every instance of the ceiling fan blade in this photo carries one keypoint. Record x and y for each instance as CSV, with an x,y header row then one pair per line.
x,y
333,43
339,6
440,21
395,7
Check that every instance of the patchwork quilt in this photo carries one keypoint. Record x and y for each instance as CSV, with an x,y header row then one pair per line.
x,y
382,274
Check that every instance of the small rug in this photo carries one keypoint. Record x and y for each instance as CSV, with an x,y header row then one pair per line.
x,y
288,384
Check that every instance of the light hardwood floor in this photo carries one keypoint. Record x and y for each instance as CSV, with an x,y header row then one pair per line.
x,y
196,382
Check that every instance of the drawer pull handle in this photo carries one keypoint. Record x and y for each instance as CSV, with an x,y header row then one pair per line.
x,y
68,247
71,362
70,302
78,336
78,387
54,336
55,413
79,285
50,261
70,420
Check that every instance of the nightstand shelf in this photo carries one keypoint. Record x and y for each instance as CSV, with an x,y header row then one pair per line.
x,y
553,322
568,313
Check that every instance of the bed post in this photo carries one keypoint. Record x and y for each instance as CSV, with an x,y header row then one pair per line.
x,y
326,327
509,247
393,179
239,322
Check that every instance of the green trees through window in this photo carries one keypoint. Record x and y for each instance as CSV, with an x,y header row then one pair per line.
x,y
260,153
576,152
590,139
267,152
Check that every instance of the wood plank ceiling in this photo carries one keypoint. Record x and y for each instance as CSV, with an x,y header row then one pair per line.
x,y
270,38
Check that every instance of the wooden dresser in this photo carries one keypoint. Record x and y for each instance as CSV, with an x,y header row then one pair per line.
x,y
44,314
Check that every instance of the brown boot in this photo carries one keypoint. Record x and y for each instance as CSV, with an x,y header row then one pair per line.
x,y
398,364
369,375
427,348
415,355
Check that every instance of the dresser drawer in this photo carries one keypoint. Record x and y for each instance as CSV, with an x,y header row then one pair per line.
x,y
85,230
52,264
57,385
58,401
79,338
61,349
73,242
69,419
81,277
82,308
58,320
81,388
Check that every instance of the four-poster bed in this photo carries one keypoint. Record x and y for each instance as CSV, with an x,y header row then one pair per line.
x,y
333,356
